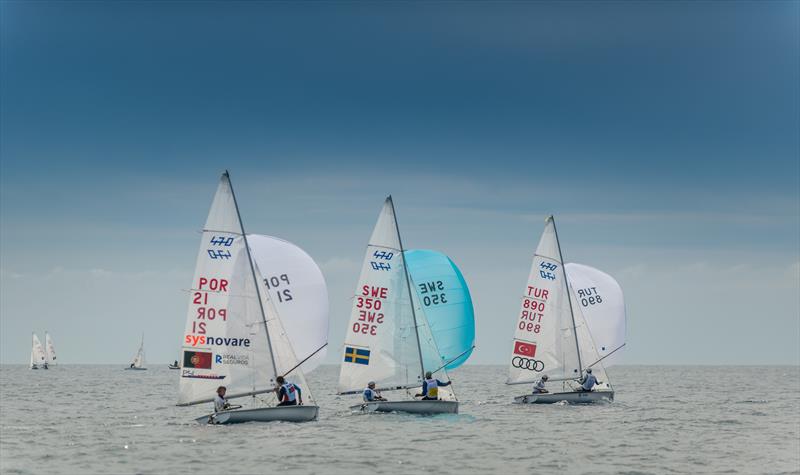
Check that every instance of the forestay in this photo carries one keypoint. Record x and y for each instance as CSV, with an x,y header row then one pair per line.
x,y
601,301
297,289
225,340
37,352
381,343
544,339
443,297
50,349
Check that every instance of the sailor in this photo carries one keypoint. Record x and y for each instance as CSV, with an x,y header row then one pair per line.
x,y
220,403
430,387
371,394
538,387
588,382
175,363
132,364
289,394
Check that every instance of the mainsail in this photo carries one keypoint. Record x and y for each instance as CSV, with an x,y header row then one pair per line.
x,y
388,341
138,360
37,353
602,303
50,350
442,294
233,335
551,336
297,289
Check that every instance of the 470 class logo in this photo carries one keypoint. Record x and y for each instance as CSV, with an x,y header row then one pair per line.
x,y
527,363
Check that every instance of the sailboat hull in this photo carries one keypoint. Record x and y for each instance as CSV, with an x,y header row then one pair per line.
x,y
263,414
411,407
573,397
135,369
174,367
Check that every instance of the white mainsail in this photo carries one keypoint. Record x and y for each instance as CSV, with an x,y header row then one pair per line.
x,y
37,353
233,335
50,350
297,289
602,303
138,360
387,340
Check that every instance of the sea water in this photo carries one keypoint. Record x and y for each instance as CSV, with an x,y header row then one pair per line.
x,y
667,419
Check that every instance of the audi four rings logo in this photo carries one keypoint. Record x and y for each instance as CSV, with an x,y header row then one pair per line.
x,y
527,363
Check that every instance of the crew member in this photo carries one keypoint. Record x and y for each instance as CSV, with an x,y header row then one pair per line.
x,y
588,382
289,394
371,394
538,387
430,387
220,403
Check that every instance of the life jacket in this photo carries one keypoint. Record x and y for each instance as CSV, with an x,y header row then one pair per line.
x,y
289,392
432,389
369,395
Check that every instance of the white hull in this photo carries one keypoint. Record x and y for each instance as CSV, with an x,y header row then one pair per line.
x,y
136,369
573,397
263,414
411,407
174,367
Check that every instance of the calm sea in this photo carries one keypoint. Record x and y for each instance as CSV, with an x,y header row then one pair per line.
x,y
103,420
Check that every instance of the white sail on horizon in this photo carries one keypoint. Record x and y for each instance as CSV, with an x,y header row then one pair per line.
x,y
50,350
37,352
139,360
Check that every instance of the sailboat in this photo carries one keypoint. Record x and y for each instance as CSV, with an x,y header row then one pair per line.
x,y
138,362
50,351
389,340
234,334
37,354
552,337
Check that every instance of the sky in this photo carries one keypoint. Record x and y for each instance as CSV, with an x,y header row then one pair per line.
x,y
663,136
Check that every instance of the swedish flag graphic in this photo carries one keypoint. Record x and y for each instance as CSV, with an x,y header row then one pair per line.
x,y
356,355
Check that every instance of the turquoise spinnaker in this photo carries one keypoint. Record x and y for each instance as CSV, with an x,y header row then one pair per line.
x,y
444,296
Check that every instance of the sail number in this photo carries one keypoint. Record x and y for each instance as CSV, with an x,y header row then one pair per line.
x,y
533,306
275,281
203,312
430,293
369,304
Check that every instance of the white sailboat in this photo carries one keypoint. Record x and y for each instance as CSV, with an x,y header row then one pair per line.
x,y
388,340
138,362
552,337
37,354
50,351
234,334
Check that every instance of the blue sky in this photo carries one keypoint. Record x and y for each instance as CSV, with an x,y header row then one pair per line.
x,y
662,135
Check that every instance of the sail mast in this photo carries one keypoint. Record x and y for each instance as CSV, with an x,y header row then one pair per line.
x,y
408,285
569,298
253,273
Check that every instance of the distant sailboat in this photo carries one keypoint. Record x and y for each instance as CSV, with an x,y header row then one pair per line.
x,y
235,334
138,362
552,337
50,351
37,354
175,365
389,339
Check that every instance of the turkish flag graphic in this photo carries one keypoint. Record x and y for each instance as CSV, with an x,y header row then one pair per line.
x,y
524,349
